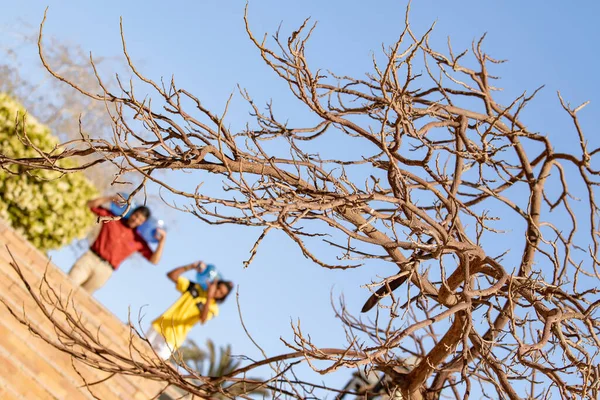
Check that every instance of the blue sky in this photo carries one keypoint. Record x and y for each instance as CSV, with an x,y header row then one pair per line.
x,y
204,44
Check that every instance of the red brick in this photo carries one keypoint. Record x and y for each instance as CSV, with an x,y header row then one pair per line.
x,y
34,356
22,382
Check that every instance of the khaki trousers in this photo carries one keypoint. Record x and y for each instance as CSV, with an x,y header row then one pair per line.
x,y
90,272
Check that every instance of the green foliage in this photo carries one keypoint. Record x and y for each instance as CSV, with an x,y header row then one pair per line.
x,y
206,363
47,207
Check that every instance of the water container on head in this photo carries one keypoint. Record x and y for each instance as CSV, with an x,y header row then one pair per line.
x,y
207,276
147,230
118,209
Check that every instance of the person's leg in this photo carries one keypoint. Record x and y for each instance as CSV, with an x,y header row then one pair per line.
x,y
101,271
82,269
158,343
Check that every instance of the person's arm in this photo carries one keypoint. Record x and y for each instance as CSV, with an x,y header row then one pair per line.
x,y
156,256
210,296
101,200
174,274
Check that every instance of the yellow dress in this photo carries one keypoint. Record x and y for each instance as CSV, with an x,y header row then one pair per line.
x,y
175,323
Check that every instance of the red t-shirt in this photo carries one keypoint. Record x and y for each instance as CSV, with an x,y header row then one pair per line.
x,y
116,241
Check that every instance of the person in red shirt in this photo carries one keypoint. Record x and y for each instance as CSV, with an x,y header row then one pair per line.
x,y
117,240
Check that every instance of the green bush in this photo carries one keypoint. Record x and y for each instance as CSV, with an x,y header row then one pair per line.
x,y
47,207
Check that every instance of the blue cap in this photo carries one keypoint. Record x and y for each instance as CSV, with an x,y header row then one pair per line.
x,y
209,274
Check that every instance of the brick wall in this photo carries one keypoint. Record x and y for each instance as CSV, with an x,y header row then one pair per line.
x,y
30,368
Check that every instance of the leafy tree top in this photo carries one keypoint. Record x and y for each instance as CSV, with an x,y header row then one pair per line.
x,y
47,207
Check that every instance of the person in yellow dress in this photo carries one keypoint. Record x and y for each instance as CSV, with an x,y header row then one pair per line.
x,y
196,305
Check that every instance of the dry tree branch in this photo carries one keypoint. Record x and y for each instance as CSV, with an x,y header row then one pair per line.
x,y
484,309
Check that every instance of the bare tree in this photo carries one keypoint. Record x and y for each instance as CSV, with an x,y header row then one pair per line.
x,y
487,312
47,99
